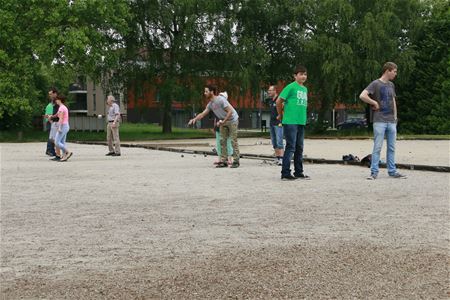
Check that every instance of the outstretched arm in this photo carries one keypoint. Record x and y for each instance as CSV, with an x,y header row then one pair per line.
x,y
199,116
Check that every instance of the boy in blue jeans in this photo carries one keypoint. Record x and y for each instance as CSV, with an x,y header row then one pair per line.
x,y
291,107
380,94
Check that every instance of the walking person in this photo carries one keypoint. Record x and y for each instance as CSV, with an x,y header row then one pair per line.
x,y
276,128
54,119
48,122
63,128
380,94
112,129
228,124
292,105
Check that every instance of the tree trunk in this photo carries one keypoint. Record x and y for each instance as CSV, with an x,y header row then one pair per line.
x,y
167,117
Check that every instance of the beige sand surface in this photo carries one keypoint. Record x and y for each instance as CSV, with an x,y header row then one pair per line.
x,y
155,225
419,152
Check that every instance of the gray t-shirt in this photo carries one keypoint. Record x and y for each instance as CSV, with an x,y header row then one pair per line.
x,y
384,94
218,104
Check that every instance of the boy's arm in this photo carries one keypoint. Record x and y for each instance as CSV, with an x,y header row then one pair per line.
x,y
395,108
364,96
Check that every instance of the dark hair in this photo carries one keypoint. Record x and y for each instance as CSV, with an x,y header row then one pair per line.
x,y
212,88
62,98
299,69
53,90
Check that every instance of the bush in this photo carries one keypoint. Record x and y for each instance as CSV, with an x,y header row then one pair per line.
x,y
15,113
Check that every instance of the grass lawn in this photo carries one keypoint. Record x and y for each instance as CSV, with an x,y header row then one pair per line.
x,y
147,132
128,132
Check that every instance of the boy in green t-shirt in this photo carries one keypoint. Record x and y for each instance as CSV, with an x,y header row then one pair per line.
x,y
291,107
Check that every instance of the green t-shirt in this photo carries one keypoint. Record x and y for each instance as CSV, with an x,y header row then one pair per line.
x,y
295,104
48,110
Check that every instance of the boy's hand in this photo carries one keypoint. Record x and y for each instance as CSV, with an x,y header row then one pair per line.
x,y
375,106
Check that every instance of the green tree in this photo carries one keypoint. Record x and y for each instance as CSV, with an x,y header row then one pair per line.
x,y
267,38
425,105
168,47
349,41
48,37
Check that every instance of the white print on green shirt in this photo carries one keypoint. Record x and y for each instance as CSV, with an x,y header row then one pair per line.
x,y
301,98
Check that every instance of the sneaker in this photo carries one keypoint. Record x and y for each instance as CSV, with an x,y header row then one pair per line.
x,y
66,157
56,158
280,162
398,175
235,165
303,176
222,165
115,154
372,177
49,153
288,177
109,154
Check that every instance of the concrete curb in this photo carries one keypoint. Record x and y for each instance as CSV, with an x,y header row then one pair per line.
x,y
163,147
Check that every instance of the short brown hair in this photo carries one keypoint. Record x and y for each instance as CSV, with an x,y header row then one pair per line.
x,y
212,88
389,66
62,98
299,69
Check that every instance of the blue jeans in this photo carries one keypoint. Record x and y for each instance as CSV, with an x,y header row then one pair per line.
x,y
294,134
276,135
60,138
380,129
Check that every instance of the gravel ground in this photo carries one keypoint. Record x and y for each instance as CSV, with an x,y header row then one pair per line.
x,y
419,152
155,225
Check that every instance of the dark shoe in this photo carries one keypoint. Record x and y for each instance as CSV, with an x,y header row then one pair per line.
x,y
372,177
115,154
398,176
56,158
235,165
49,153
222,165
303,176
288,177
110,154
